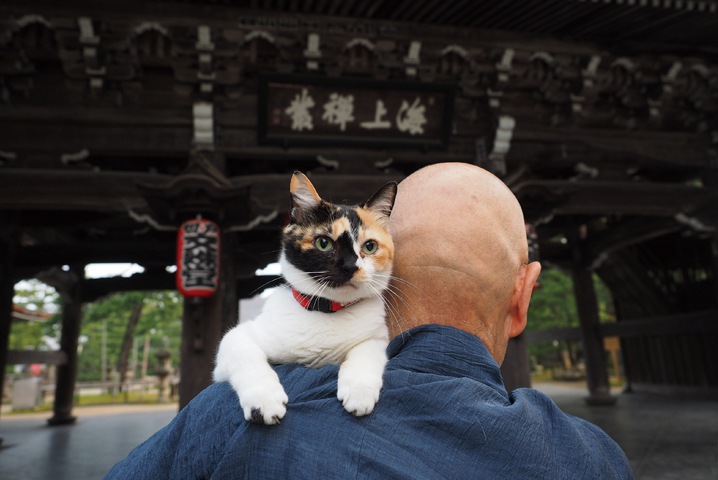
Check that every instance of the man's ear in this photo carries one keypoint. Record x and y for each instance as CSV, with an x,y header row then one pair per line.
x,y
525,281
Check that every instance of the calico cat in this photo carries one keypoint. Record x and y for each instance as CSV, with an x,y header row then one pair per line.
x,y
337,261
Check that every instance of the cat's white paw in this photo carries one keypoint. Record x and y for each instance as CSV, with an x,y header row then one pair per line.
x,y
265,403
358,397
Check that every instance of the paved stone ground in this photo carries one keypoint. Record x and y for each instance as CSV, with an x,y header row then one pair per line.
x,y
665,437
86,450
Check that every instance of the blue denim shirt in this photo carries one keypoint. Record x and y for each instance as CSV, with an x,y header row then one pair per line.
x,y
443,413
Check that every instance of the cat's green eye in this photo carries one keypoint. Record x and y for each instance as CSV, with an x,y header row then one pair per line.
x,y
323,244
370,247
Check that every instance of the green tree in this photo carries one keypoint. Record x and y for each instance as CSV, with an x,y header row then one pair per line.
x,y
107,318
105,322
38,297
553,306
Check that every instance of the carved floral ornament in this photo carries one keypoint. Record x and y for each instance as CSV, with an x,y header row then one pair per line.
x,y
90,51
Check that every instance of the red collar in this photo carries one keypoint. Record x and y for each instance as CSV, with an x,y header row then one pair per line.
x,y
319,304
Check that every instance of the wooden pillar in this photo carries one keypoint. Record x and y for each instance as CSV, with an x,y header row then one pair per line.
x,y
67,373
516,369
587,305
203,323
7,292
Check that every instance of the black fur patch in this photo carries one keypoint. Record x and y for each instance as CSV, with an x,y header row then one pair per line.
x,y
312,216
337,265
256,416
354,220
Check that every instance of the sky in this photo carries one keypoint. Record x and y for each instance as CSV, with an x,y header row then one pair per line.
x,y
102,270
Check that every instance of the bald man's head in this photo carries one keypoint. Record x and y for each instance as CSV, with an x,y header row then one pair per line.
x,y
460,246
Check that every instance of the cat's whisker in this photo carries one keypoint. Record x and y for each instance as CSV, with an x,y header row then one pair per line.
x,y
310,284
264,285
325,285
314,287
395,279
393,317
377,287
398,296
396,287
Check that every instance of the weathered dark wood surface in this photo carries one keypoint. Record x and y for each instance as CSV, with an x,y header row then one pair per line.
x,y
599,115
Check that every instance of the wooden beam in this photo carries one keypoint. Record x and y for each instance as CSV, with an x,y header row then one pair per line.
x,y
25,189
102,116
624,234
144,252
162,141
108,139
678,324
57,189
280,20
594,197
99,287
697,322
26,357
652,149
548,335
627,277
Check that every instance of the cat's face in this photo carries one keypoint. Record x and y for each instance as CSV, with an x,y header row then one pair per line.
x,y
337,252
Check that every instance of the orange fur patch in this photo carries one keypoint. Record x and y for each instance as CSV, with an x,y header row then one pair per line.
x,y
374,229
339,226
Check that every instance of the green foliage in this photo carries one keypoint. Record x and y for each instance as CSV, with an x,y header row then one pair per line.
x,y
553,306
160,322
606,311
35,296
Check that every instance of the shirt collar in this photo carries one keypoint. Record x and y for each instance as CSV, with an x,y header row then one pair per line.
x,y
445,351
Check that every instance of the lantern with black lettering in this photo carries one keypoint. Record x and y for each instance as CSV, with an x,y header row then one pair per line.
x,y
198,258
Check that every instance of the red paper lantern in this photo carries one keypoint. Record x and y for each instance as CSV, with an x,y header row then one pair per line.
x,y
198,258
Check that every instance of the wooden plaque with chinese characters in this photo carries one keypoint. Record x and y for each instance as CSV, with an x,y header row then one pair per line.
x,y
325,111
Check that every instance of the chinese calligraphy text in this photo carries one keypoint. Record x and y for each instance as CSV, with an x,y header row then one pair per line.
x,y
308,110
198,258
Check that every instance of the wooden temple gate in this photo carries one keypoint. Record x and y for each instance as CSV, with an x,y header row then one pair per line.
x,y
121,120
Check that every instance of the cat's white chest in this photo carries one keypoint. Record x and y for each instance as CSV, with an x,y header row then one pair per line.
x,y
290,334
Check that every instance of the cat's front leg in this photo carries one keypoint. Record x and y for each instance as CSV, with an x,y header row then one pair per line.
x,y
361,377
242,362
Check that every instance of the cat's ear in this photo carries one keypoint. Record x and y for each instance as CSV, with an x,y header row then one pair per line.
x,y
303,196
383,201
